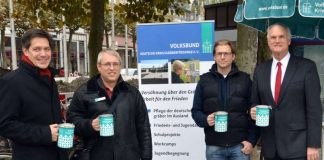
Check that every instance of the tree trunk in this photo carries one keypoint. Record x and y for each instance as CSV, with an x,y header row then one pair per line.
x,y
106,36
247,47
2,48
96,33
134,58
263,50
252,50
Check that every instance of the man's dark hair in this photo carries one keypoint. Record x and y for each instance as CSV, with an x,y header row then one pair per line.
x,y
35,33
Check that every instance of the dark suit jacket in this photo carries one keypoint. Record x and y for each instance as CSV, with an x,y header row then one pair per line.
x,y
295,123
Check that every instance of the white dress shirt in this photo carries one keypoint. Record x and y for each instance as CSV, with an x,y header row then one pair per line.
x,y
274,69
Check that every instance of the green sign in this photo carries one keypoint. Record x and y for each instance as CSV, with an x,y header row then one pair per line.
x,y
206,37
311,8
258,9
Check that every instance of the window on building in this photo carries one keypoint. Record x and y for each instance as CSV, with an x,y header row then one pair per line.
x,y
55,54
82,57
223,14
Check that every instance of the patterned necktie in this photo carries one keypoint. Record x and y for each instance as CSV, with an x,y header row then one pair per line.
x,y
278,83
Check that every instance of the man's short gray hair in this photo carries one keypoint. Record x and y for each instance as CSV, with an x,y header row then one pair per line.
x,y
108,52
281,25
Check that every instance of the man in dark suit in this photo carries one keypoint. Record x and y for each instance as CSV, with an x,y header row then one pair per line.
x,y
291,86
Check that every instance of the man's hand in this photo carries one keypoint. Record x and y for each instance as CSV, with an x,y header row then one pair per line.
x,y
95,124
247,147
312,153
253,113
54,131
211,119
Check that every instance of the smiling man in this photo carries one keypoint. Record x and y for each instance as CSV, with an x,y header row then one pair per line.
x,y
29,102
291,86
225,88
132,134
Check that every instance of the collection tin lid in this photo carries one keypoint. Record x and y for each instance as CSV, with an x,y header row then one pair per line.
x,y
263,106
106,115
67,125
221,113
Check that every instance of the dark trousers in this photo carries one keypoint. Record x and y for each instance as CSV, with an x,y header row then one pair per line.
x,y
278,158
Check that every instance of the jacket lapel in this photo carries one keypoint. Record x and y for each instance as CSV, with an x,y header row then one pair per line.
x,y
268,81
290,71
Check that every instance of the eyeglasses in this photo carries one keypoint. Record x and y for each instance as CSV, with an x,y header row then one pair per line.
x,y
225,54
109,64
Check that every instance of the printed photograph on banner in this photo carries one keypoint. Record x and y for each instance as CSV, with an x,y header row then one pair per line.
x,y
154,71
185,71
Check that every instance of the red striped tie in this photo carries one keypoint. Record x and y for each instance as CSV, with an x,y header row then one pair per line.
x,y
278,83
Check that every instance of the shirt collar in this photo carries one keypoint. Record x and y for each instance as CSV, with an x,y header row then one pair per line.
x,y
284,61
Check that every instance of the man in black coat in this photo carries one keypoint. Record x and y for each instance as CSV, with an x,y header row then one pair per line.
x,y
291,86
225,88
29,103
132,134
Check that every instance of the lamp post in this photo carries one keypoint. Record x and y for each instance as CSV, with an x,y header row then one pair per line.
x,y
66,70
126,49
113,25
13,37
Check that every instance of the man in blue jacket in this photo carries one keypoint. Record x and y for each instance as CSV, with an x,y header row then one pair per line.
x,y
225,88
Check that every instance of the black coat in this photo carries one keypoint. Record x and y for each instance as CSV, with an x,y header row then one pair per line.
x,y
29,103
295,123
231,94
132,134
